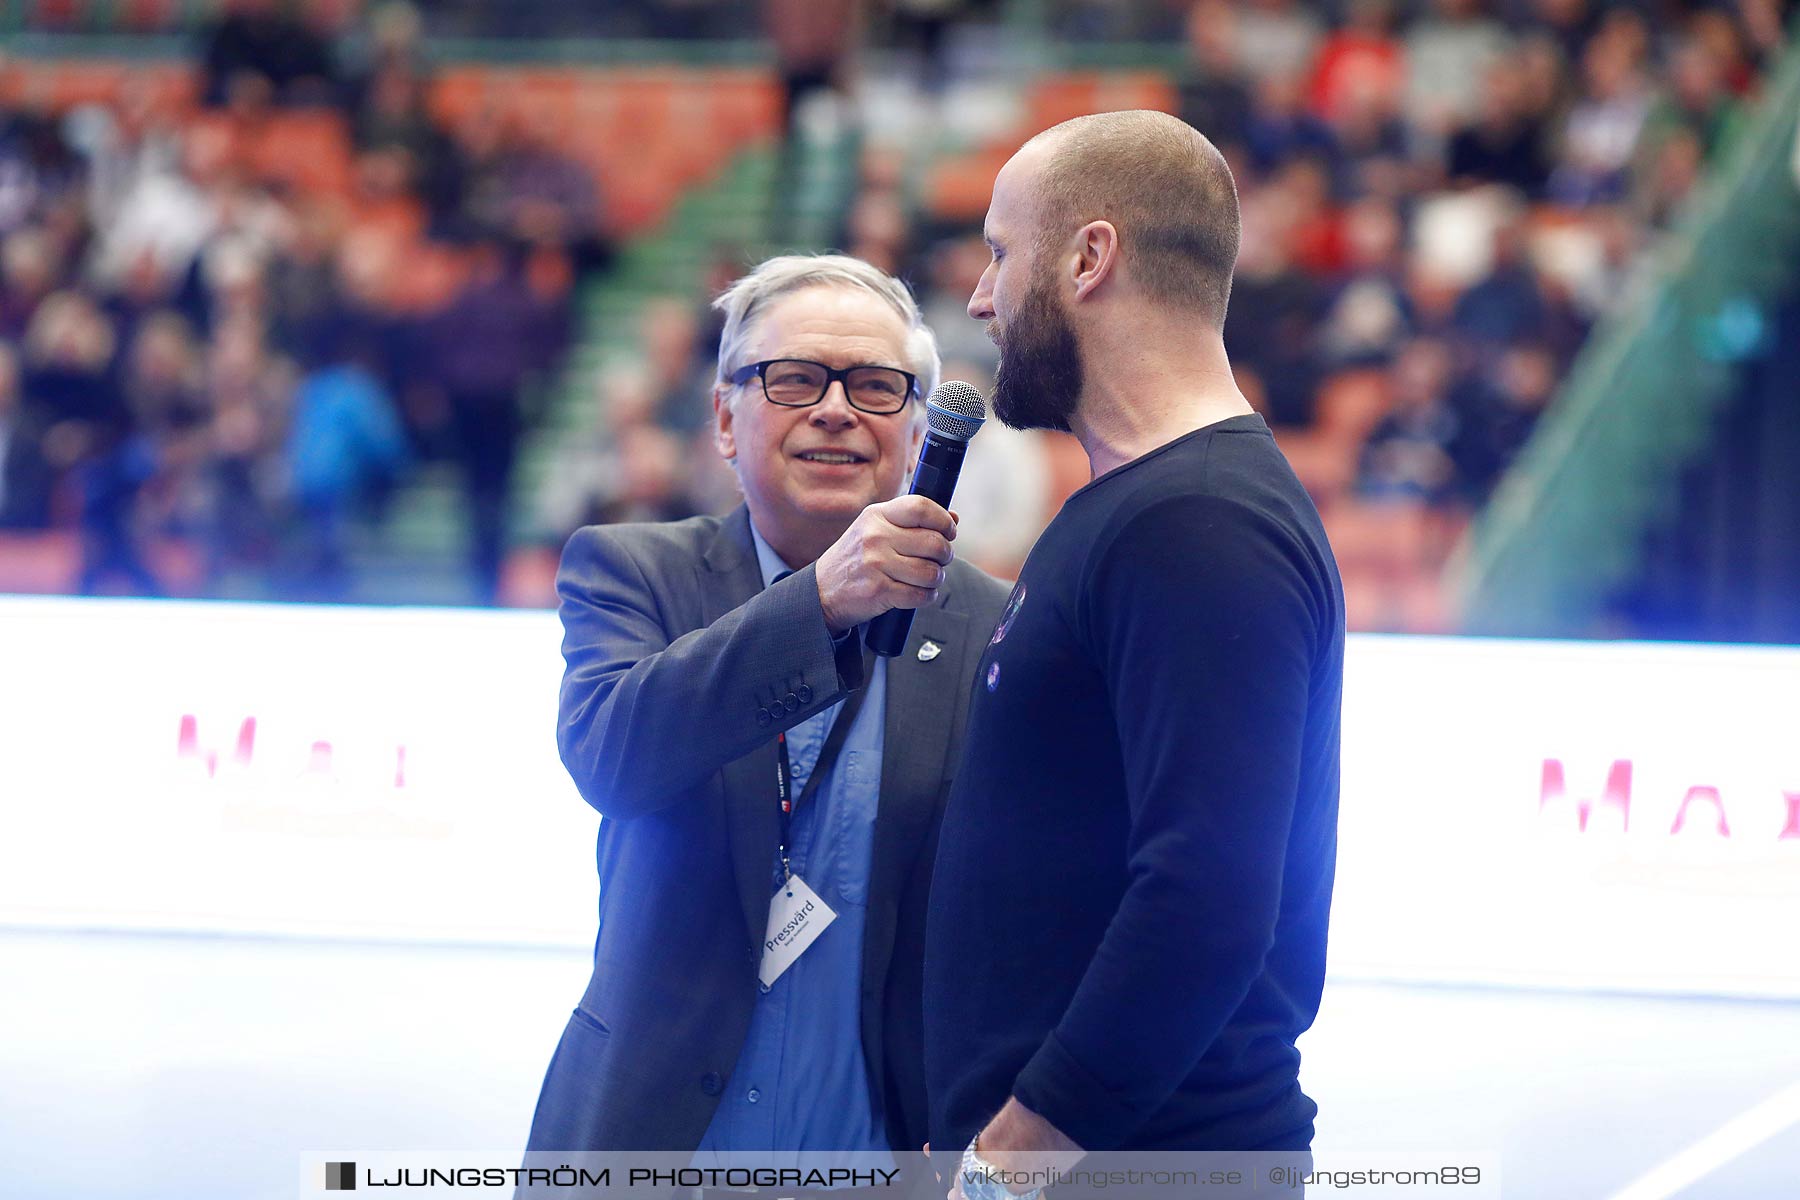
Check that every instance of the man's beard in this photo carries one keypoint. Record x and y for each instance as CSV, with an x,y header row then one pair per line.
x,y
1040,375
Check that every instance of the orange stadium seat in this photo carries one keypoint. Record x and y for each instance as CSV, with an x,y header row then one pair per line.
x,y
959,186
548,96
457,94
645,102
645,133
63,85
400,220
746,104
640,186
308,150
428,277
1057,99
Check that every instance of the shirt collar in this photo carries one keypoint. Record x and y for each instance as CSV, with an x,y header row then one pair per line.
x,y
766,558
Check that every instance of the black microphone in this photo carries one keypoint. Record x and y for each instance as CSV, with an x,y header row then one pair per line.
x,y
952,415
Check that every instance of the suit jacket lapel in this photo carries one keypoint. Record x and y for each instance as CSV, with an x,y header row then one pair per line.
x,y
729,576
921,706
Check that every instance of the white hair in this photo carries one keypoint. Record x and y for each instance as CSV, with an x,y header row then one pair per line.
x,y
745,300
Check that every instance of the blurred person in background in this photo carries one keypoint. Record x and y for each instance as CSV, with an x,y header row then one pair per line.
x,y
345,448
1602,127
28,273
1503,141
69,382
1448,52
1500,410
584,470
391,119
678,365
813,41
250,393
1695,98
261,39
491,342
1508,304
1134,875
137,481
1369,311
1362,55
1275,308
303,289
706,656
878,231
395,42
1569,24
954,267
165,388
1278,37
521,185
1282,129
1408,455
1005,491
38,165
1374,144
24,474
1215,93
651,483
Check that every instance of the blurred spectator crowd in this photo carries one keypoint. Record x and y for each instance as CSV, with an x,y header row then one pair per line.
x,y
239,303
1440,199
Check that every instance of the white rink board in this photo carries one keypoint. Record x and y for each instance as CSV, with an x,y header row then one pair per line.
x,y
401,781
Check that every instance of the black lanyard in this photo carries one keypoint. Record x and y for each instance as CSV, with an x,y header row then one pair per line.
x,y
786,803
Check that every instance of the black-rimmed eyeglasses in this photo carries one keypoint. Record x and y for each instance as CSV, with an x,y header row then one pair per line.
x,y
801,383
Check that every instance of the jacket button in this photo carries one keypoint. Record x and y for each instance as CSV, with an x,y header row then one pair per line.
x,y
792,703
762,716
711,1084
805,694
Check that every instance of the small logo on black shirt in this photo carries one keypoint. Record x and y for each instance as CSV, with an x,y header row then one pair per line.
x,y
1014,602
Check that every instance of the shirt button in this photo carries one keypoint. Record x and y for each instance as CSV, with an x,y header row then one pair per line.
x,y
711,1084
762,987
753,1096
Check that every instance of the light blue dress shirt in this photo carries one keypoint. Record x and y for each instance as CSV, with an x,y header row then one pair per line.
x,y
801,1082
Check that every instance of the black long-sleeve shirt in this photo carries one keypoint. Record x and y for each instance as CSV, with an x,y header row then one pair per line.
x,y
1129,908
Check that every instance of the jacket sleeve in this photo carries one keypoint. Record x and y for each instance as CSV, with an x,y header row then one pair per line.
x,y
644,717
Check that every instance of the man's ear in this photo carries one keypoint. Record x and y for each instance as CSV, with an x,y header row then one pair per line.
x,y
723,438
1096,257
919,426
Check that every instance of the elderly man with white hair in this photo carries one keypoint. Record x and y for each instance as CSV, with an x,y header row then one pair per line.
x,y
770,794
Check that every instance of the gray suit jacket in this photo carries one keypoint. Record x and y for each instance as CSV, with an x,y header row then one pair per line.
x,y
680,665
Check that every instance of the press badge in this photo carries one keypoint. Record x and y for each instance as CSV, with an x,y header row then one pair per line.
x,y
795,922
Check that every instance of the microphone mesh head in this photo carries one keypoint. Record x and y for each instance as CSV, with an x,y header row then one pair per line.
x,y
956,410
